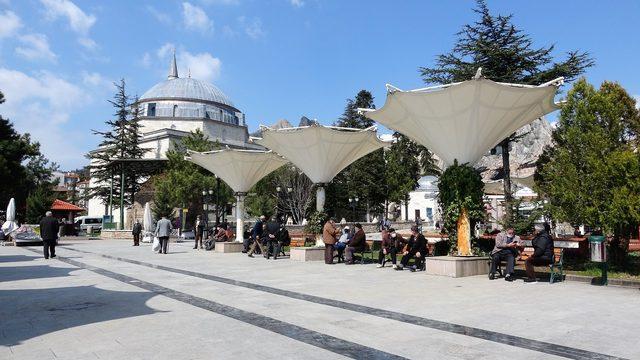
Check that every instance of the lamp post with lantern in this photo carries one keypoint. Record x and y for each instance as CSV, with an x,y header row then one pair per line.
x,y
354,203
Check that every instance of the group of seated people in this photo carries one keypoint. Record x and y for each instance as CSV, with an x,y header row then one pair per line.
x,y
348,242
509,245
267,238
208,237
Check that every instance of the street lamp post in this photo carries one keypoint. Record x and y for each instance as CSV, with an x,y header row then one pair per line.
x,y
218,201
279,198
207,195
354,203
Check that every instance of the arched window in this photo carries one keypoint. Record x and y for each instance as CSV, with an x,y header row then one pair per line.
x,y
175,110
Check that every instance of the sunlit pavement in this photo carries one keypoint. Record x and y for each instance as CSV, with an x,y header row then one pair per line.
x,y
109,300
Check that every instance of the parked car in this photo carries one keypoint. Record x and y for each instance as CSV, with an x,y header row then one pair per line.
x,y
83,222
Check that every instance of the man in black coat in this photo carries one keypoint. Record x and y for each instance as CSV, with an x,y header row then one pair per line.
x,y
273,238
49,227
542,254
417,249
136,231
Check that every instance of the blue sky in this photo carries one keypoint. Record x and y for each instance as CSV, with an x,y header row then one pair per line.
x,y
274,58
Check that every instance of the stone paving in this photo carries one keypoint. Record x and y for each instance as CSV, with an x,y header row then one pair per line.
x,y
109,300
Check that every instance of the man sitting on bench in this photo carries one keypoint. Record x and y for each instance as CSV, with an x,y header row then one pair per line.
x,y
417,248
356,244
542,252
506,249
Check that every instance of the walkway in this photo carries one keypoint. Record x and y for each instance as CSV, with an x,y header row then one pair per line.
x,y
108,300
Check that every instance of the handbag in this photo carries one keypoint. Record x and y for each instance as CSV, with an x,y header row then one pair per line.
x,y
156,244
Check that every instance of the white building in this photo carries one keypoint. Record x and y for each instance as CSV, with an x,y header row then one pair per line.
x,y
423,202
172,109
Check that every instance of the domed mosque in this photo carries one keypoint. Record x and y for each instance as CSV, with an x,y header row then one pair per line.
x,y
174,107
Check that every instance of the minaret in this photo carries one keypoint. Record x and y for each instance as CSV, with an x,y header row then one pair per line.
x,y
173,69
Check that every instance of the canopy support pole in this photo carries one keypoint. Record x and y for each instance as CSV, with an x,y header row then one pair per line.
x,y
240,216
320,197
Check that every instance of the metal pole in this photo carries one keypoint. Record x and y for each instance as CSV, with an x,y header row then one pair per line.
x,y
217,201
111,197
122,198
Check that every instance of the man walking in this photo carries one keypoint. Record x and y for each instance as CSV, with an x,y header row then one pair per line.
x,y
49,228
136,231
163,231
256,234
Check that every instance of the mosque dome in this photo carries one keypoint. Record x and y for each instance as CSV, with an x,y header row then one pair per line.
x,y
188,98
186,89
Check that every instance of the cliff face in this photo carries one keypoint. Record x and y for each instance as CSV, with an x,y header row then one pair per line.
x,y
524,152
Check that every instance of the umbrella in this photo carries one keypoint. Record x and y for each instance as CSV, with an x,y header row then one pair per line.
x,y
10,224
147,223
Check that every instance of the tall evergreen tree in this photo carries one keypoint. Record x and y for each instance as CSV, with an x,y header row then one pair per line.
x,y
591,173
506,54
22,166
119,142
402,170
363,177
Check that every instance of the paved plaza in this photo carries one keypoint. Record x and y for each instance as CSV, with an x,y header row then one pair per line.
x,y
109,300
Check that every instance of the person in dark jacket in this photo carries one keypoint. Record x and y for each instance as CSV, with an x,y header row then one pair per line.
x,y
417,248
198,228
385,246
357,244
273,238
542,254
391,247
49,227
256,234
136,231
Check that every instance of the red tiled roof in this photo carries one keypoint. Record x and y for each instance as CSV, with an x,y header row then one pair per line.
x,y
64,206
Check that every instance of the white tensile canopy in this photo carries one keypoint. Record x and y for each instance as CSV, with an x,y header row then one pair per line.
x,y
321,152
10,224
240,169
496,187
464,120
147,224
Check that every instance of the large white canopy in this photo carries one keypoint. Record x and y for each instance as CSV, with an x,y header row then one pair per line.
x,y
319,151
464,120
240,169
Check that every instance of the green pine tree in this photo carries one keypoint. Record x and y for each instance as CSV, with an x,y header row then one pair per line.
x,y
506,54
591,173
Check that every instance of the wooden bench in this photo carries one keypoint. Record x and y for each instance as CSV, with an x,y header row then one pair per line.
x,y
556,269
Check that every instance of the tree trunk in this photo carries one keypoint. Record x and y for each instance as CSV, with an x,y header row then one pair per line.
x,y
506,182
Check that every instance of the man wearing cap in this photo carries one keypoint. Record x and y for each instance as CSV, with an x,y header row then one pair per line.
x,y
542,254
329,237
417,249
506,249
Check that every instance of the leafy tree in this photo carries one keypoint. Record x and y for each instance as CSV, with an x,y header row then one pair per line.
x,y
185,180
460,189
22,166
119,142
506,54
162,202
38,203
591,173
363,177
402,170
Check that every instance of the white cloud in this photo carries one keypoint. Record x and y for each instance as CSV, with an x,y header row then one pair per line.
x,y
96,80
9,23
145,61
297,3
165,50
41,105
203,66
637,97
35,47
195,18
79,21
253,27
220,2
159,15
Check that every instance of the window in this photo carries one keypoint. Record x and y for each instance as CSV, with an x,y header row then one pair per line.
x,y
175,110
151,109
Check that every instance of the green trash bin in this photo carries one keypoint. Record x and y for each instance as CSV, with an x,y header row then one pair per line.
x,y
598,254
